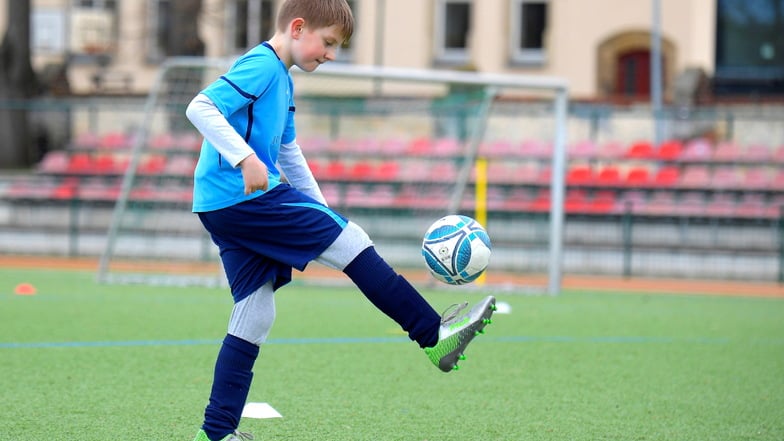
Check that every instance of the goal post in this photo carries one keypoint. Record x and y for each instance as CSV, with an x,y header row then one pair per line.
x,y
393,148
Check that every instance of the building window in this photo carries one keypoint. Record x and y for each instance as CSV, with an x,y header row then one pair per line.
x,y
749,47
92,27
453,27
96,4
529,31
159,22
249,22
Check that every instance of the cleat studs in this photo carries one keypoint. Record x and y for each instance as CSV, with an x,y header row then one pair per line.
x,y
493,307
461,357
487,321
455,367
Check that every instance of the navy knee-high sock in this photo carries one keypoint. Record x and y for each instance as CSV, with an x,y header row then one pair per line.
x,y
394,296
230,386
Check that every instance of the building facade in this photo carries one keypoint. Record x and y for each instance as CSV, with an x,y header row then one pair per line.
x,y
602,47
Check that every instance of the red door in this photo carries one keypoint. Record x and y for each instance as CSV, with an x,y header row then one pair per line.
x,y
633,78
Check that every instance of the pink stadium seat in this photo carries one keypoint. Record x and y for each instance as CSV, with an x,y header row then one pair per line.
x,y
115,140
188,141
446,147
695,176
55,161
445,171
583,150
633,200
162,141
527,173
518,199
661,203
777,183
725,177
756,178
499,148
778,155
721,205
180,165
697,150
611,151
691,204
757,154
393,147
751,205
86,141
727,152
533,149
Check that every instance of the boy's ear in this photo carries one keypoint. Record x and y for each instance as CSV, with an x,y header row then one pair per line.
x,y
296,26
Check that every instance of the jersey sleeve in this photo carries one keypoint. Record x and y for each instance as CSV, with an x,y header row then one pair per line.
x,y
241,85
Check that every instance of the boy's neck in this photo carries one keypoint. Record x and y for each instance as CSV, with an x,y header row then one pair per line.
x,y
280,46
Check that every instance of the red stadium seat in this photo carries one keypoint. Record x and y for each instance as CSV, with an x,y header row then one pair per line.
x,y
641,150
638,177
670,151
580,175
609,176
667,176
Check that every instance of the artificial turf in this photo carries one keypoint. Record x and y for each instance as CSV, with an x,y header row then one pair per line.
x,y
84,361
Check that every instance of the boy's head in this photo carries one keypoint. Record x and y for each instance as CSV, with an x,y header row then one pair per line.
x,y
318,14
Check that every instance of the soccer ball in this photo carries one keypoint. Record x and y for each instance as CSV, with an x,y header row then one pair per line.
x,y
456,249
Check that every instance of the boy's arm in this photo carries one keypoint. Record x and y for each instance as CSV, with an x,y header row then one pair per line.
x,y
216,129
294,166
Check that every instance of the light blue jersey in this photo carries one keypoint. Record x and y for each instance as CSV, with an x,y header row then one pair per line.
x,y
256,96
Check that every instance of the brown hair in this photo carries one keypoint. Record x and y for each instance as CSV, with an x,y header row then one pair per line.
x,y
318,14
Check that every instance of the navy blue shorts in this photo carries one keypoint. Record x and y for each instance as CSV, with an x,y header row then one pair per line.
x,y
262,239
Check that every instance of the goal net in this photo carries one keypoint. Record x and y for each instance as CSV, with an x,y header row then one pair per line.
x,y
393,149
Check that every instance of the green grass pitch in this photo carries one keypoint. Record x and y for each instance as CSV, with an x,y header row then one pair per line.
x,y
81,361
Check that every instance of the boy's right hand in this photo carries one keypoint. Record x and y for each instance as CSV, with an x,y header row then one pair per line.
x,y
254,174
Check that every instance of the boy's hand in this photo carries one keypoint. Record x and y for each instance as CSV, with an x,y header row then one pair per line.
x,y
254,174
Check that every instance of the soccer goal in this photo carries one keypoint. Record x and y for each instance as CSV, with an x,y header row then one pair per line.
x,y
393,149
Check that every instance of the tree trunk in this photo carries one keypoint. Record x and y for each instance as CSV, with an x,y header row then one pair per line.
x,y
17,85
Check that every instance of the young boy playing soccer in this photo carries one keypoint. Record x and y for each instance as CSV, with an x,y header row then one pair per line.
x,y
264,227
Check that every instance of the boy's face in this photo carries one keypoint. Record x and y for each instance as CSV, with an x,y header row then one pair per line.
x,y
312,48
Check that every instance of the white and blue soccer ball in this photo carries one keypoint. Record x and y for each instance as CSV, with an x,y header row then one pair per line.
x,y
456,249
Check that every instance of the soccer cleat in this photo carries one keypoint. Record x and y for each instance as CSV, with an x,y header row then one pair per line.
x,y
456,331
236,436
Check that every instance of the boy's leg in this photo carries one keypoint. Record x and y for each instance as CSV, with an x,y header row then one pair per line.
x,y
354,254
250,323
444,339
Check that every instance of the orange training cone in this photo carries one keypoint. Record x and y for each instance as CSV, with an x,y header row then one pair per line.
x,y
24,289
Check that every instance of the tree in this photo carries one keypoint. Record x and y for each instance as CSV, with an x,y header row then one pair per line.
x,y
18,84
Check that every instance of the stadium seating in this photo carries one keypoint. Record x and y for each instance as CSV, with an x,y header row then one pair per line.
x,y
694,178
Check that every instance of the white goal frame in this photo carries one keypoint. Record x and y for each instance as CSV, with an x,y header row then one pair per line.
x,y
491,84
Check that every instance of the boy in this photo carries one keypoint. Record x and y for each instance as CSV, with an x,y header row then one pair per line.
x,y
264,228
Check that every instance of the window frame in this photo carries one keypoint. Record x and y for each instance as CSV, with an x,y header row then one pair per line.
x,y
517,54
442,54
254,32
